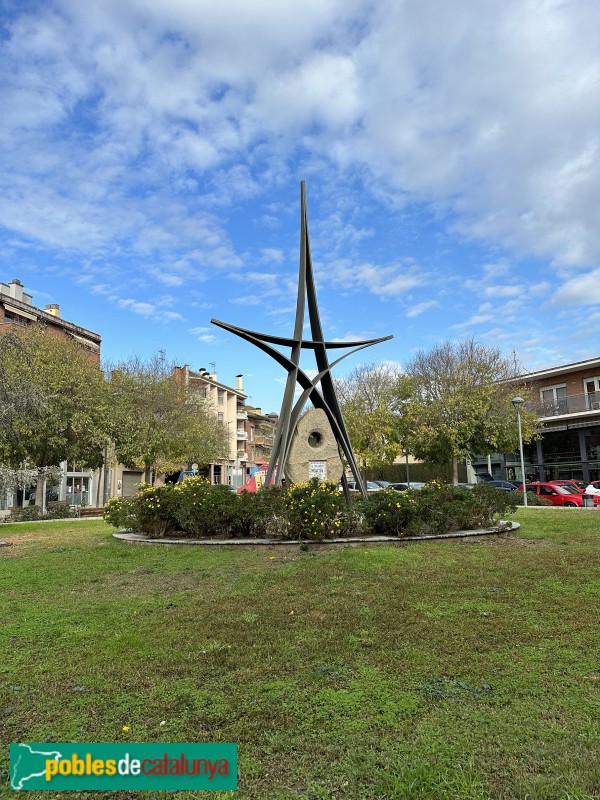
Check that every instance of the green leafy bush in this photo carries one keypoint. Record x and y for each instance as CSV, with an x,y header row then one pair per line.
x,y
436,508
59,510
441,508
315,510
389,513
533,499
262,515
491,504
121,512
309,510
25,514
202,509
156,510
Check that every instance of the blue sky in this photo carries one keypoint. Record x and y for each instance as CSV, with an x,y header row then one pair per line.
x,y
152,152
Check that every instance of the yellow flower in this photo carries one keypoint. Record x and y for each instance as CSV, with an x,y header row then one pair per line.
x,y
126,728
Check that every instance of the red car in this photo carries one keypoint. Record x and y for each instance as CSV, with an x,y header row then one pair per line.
x,y
579,486
558,495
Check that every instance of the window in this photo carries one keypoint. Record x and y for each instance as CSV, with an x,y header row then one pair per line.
x,y
592,393
220,396
78,491
554,399
219,416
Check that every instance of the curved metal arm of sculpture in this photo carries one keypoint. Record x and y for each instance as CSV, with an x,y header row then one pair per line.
x,y
286,342
281,447
342,437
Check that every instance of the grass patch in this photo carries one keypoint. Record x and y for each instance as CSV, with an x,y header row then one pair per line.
x,y
440,670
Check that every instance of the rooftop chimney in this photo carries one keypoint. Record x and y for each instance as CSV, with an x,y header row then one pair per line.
x,y
15,289
53,309
239,383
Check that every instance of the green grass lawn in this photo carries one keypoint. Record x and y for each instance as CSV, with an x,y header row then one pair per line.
x,y
439,670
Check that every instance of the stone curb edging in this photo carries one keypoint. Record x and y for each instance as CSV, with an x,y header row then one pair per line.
x,y
135,538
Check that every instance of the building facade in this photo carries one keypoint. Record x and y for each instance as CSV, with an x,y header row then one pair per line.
x,y
17,311
567,401
228,406
260,428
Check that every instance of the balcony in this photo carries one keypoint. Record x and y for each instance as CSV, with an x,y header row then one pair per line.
x,y
573,404
242,415
241,436
241,456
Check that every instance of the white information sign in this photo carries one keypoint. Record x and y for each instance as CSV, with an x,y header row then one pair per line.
x,y
317,469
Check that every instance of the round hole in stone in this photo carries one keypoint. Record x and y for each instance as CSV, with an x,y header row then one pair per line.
x,y
315,439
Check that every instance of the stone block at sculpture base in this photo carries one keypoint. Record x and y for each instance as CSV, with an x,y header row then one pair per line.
x,y
314,450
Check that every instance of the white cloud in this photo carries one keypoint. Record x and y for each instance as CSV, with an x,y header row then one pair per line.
x,y
420,308
499,290
476,319
271,255
203,335
391,280
581,290
145,309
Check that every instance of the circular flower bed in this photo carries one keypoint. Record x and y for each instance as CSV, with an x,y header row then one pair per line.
x,y
308,511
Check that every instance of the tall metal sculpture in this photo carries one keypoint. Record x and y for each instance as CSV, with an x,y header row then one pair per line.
x,y
326,399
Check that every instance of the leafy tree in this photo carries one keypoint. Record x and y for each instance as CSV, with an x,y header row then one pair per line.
x,y
20,398
58,410
371,399
460,403
155,424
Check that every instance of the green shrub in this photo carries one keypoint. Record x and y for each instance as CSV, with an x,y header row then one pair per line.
x,y
262,515
155,509
441,508
491,504
202,509
434,509
389,513
533,499
59,510
309,510
25,514
315,510
121,512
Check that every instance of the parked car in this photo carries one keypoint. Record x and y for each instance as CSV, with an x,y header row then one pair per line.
x,y
383,484
592,490
402,487
371,486
579,486
558,495
506,486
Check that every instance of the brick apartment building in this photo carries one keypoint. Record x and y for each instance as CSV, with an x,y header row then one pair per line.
x,y
567,401
17,309
77,487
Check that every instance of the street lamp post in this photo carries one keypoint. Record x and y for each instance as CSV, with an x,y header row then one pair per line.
x,y
518,403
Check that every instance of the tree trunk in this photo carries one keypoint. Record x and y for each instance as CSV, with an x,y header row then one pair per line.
x,y
455,471
40,488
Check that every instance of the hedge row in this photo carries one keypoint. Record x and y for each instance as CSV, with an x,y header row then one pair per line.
x,y
312,510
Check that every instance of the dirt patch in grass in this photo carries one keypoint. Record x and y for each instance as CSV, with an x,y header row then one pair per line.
x,y
506,541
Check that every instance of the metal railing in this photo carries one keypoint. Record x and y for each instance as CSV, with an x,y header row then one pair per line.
x,y
573,404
